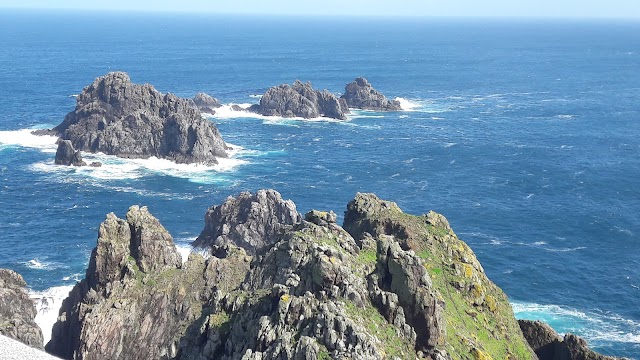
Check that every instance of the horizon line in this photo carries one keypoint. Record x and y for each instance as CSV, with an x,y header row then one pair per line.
x,y
307,15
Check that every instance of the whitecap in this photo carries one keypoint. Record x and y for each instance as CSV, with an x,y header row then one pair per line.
x,y
48,303
408,105
449,144
566,249
565,116
39,264
256,96
25,138
595,326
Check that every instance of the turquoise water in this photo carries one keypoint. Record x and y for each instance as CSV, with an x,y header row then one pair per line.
x,y
525,135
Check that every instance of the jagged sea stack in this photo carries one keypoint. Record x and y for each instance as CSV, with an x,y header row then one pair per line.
x,y
206,103
67,155
359,94
17,310
116,117
301,100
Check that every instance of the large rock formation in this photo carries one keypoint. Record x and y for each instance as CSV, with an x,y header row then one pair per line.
x,y
116,117
390,286
67,155
206,103
250,221
301,100
17,310
359,94
548,345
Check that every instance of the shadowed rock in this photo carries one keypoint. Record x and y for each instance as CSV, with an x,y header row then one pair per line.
x,y
67,155
116,117
206,103
359,94
17,310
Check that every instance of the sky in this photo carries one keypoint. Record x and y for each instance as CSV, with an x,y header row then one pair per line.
x,y
450,8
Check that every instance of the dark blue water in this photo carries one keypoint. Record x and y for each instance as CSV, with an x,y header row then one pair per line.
x,y
525,135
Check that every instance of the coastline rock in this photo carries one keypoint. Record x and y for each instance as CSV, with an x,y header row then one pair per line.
x,y
249,221
206,103
116,117
18,311
67,155
301,100
394,286
359,94
548,345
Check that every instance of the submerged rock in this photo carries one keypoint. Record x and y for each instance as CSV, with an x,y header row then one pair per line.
x,y
548,345
301,100
359,94
116,117
206,103
67,155
18,311
390,286
250,221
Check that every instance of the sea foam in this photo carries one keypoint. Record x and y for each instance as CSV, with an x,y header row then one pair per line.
x,y
408,105
25,138
48,303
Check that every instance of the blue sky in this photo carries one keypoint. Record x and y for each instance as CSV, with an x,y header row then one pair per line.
x,y
500,8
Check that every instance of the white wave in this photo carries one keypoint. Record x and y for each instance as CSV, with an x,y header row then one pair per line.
x,y
594,326
184,250
450,144
566,249
257,96
566,116
37,264
74,95
25,138
408,105
48,303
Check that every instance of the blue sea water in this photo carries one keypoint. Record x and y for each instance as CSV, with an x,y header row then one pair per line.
x,y
525,135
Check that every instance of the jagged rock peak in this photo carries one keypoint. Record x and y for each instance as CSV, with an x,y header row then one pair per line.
x,y
117,117
301,100
67,155
548,345
360,94
18,311
250,221
206,103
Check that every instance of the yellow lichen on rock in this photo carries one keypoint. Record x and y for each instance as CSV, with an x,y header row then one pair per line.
x,y
468,271
480,355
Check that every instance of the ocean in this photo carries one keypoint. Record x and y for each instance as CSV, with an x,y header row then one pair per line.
x,y
524,134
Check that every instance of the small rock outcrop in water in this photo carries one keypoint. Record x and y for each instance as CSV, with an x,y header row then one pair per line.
x,y
17,310
387,285
116,117
301,100
250,221
548,345
206,103
359,94
67,155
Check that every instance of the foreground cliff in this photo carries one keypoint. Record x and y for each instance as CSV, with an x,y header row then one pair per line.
x,y
386,285
117,117
17,310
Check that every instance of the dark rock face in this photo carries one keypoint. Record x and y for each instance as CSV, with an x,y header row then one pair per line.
x,y
301,100
359,94
250,221
548,345
67,155
206,103
17,310
117,117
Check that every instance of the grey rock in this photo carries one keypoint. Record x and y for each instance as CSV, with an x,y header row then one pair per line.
x,y
301,100
18,311
548,345
249,221
359,94
206,103
116,117
96,164
67,155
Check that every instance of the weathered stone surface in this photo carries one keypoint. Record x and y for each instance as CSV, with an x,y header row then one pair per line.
x,y
359,94
548,345
250,221
301,100
17,310
116,117
67,155
206,103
